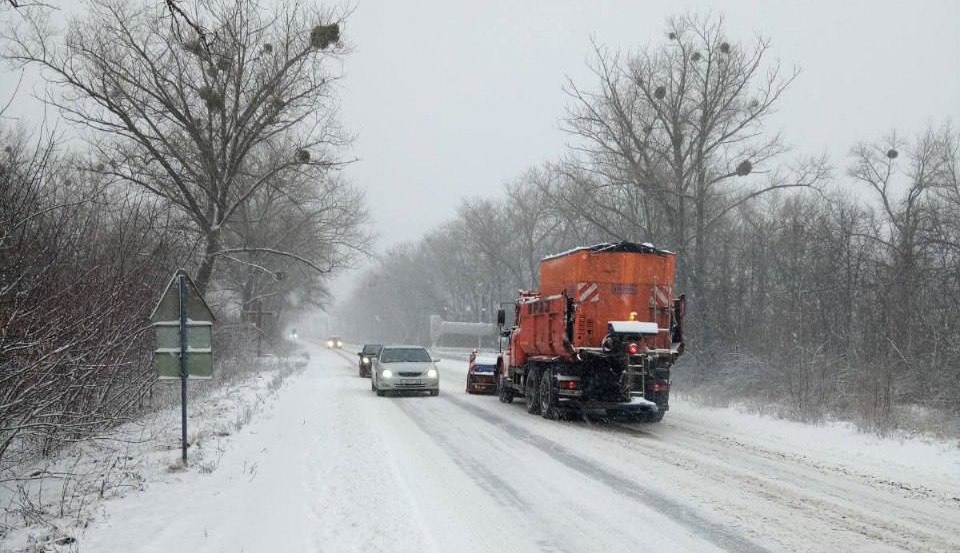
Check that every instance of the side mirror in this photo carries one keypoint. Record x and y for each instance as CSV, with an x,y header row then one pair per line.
x,y
501,317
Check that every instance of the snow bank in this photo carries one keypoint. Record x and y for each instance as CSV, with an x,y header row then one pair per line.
x,y
46,505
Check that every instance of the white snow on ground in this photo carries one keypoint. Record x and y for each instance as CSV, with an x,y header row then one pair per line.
x,y
330,467
838,443
38,514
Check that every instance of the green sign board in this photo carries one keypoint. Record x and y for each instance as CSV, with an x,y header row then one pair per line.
x,y
199,336
199,349
199,365
168,308
166,322
184,326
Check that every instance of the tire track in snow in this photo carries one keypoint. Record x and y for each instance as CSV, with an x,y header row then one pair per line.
x,y
844,507
498,489
487,479
803,489
722,536
566,512
784,487
780,457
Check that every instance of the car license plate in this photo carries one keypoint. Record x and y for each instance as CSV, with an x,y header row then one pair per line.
x,y
413,382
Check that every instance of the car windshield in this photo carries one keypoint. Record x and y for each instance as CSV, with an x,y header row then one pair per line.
x,y
404,355
484,368
372,349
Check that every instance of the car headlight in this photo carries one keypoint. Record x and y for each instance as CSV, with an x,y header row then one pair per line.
x,y
432,373
387,373
329,343
366,361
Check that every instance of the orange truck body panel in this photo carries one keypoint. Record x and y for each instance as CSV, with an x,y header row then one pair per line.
x,y
604,286
629,286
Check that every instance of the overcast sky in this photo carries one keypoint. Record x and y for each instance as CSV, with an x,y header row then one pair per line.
x,y
452,99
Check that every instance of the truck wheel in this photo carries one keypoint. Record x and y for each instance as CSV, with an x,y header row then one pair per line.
x,y
531,391
504,391
549,402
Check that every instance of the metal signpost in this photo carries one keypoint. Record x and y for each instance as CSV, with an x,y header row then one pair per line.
x,y
184,326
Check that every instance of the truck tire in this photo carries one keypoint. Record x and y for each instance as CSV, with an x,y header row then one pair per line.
x,y
504,391
531,390
549,401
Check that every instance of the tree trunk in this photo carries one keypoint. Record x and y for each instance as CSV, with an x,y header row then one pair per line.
x,y
213,247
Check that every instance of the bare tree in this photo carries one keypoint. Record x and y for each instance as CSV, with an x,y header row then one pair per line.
x,y
538,229
903,177
76,262
680,122
179,112
289,237
489,229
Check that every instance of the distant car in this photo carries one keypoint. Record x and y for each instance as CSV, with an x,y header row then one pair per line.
x,y
334,342
404,368
367,355
481,374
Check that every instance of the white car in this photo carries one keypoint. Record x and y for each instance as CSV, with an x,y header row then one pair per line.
x,y
403,369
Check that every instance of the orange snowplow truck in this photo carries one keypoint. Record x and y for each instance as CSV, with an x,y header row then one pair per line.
x,y
602,333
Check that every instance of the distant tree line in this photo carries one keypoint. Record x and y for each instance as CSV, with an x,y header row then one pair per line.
x,y
818,290
210,142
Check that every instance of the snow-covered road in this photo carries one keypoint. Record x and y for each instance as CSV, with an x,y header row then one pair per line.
x,y
333,468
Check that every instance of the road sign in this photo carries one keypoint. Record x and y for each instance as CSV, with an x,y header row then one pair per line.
x,y
168,308
199,332
166,357
184,327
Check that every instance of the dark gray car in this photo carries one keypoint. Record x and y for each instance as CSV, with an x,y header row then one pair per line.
x,y
367,355
404,368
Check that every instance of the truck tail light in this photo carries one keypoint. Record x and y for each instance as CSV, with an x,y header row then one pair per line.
x,y
633,348
569,384
661,386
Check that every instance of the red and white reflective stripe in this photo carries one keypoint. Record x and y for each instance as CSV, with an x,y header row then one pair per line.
x,y
588,292
662,295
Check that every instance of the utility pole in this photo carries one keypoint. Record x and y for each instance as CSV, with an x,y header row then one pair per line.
x,y
257,318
